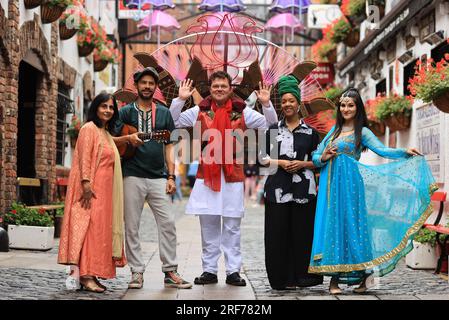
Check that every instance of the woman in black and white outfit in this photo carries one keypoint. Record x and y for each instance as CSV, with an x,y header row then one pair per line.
x,y
290,195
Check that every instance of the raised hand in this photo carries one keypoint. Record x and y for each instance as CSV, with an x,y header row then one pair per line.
x,y
263,94
185,89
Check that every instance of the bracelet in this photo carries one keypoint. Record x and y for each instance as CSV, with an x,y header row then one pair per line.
x,y
171,176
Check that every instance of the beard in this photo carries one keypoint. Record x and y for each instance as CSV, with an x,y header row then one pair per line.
x,y
145,96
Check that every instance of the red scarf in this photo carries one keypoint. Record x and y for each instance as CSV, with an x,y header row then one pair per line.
x,y
211,169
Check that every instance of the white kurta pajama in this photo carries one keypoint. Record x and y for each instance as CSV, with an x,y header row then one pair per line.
x,y
227,203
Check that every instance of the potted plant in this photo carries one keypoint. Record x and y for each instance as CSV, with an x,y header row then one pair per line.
x,y
340,30
354,10
431,83
325,51
51,10
72,19
29,228
395,111
31,4
333,94
105,54
424,254
58,221
375,125
74,129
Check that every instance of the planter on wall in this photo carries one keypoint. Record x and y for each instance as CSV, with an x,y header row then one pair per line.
x,y
66,33
423,256
30,237
377,127
398,122
332,56
442,102
50,14
100,65
31,4
85,50
353,38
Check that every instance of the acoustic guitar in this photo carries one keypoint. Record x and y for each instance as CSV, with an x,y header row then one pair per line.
x,y
128,151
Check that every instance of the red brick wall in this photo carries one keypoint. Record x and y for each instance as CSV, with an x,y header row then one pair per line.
x,y
14,44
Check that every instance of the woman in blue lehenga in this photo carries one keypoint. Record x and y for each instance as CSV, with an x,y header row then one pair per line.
x,y
366,216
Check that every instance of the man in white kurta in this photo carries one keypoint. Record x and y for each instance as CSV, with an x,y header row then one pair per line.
x,y
220,213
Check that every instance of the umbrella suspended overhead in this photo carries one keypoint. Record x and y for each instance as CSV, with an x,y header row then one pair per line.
x,y
283,22
147,4
159,20
292,6
222,5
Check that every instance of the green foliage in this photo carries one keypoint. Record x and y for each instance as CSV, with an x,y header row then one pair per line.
x,y
59,3
393,105
426,236
21,215
333,94
341,30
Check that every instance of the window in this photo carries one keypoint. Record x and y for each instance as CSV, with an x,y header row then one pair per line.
x,y
426,26
390,79
438,53
381,87
65,105
409,71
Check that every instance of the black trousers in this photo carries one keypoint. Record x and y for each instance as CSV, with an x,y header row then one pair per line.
x,y
288,244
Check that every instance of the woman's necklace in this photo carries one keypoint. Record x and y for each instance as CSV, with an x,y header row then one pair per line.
x,y
346,129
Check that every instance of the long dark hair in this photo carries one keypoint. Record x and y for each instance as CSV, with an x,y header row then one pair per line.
x,y
360,119
92,115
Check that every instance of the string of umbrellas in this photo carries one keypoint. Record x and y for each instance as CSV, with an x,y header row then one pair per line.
x,y
287,17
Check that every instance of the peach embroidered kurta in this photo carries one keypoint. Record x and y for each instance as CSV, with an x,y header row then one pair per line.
x,y
86,236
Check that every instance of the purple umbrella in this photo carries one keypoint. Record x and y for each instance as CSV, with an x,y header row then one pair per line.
x,y
146,4
222,5
280,22
293,6
158,19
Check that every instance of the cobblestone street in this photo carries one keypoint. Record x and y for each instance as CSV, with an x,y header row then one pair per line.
x,y
34,275
403,283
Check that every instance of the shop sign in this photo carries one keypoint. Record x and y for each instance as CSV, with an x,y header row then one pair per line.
x,y
324,73
127,13
428,134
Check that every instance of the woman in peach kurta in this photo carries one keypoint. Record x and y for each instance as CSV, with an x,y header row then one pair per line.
x,y
92,230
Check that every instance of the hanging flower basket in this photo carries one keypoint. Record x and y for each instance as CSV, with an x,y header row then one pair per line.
x,y
51,13
398,122
353,38
332,56
100,65
66,33
377,127
442,102
85,50
31,4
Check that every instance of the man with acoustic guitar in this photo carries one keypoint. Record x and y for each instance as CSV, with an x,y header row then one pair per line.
x,y
148,171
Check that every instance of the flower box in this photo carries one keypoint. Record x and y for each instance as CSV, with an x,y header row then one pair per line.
x,y
353,38
31,4
85,50
66,33
30,237
332,56
442,102
100,65
398,122
51,13
423,256
377,127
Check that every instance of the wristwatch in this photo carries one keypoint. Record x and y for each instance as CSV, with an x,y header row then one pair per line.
x,y
171,176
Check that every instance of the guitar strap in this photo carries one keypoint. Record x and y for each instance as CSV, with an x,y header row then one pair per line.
x,y
153,116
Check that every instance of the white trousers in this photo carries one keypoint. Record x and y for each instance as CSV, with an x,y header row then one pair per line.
x,y
216,237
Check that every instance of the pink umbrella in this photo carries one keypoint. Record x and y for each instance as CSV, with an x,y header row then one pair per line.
x,y
280,22
158,19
